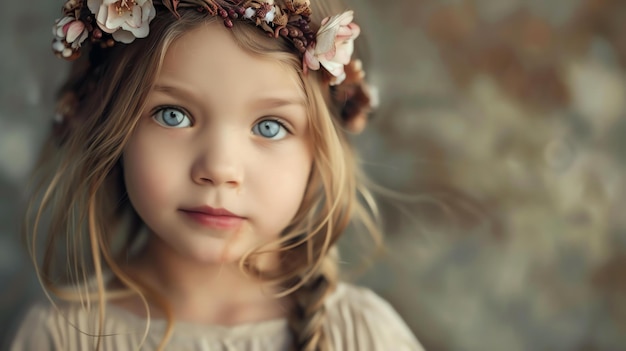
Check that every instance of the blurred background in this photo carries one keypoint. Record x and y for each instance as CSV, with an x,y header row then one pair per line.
x,y
505,122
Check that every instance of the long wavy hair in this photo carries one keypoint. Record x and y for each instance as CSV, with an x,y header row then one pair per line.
x,y
81,211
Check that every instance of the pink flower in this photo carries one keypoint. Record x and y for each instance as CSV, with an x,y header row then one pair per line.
x,y
71,30
334,46
124,19
69,34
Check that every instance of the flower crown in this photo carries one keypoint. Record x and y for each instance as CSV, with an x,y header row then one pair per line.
x,y
107,22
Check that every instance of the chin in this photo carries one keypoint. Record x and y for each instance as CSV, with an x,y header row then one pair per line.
x,y
217,254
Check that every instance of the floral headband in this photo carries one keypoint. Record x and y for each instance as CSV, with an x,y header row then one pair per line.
x,y
107,22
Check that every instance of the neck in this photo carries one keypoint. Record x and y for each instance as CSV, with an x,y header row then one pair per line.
x,y
207,293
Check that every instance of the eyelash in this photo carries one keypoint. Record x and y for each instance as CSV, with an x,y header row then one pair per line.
x,y
277,120
280,121
178,108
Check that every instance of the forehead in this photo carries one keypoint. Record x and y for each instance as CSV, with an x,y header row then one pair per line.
x,y
208,60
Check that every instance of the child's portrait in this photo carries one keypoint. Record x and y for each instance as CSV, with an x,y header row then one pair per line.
x,y
312,175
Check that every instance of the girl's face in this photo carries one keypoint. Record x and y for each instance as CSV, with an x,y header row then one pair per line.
x,y
220,160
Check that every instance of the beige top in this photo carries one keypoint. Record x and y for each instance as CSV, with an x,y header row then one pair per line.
x,y
358,320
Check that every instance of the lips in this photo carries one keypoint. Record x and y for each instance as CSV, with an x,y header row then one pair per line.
x,y
214,218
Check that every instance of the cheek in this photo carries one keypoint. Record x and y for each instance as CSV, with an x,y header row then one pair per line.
x,y
148,174
285,182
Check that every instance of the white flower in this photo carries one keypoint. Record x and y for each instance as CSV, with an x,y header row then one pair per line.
x,y
124,19
269,16
57,45
71,30
334,45
60,48
250,12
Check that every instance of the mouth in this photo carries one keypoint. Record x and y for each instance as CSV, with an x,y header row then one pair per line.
x,y
214,218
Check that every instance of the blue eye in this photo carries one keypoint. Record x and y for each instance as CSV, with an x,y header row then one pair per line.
x,y
171,117
270,129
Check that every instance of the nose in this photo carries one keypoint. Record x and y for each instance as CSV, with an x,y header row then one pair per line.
x,y
218,162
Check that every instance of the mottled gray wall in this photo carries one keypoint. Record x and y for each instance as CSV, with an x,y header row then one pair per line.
x,y
504,120
28,77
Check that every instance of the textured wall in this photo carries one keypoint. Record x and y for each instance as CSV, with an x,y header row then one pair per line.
x,y
504,121
28,77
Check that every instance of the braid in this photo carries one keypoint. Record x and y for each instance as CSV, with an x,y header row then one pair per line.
x,y
307,321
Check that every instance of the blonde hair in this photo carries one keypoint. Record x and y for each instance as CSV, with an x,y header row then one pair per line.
x,y
82,194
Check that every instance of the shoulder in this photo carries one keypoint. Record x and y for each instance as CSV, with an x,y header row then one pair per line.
x,y
358,319
70,326
39,329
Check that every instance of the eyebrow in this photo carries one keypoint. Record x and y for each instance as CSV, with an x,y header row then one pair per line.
x,y
275,102
268,102
179,93
171,90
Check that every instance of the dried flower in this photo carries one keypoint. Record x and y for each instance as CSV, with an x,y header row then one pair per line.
x,y
334,46
124,19
299,7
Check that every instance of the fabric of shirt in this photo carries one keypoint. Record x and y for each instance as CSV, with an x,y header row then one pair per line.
x,y
357,320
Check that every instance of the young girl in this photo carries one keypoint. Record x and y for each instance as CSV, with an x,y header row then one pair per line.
x,y
197,179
